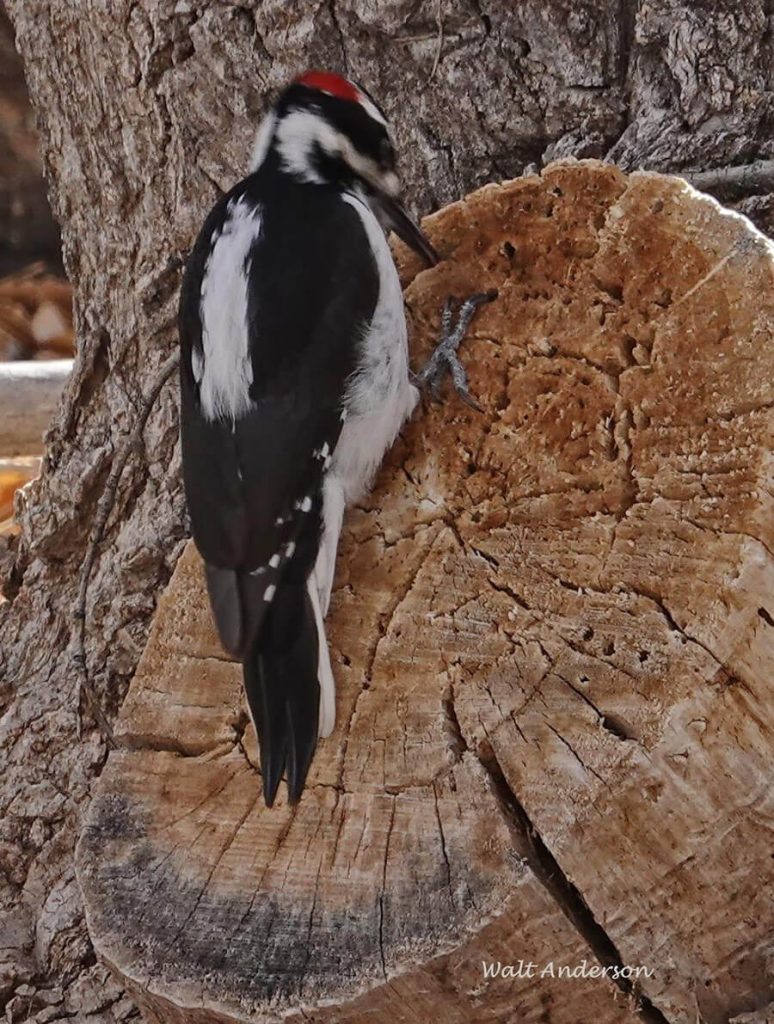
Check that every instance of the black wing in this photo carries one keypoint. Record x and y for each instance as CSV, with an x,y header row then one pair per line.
x,y
253,483
312,287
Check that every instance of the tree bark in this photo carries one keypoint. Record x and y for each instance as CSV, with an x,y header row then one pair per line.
x,y
146,110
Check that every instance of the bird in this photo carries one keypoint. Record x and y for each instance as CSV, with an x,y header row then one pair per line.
x,y
294,382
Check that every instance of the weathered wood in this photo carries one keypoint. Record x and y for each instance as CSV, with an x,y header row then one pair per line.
x,y
29,395
146,108
550,634
732,182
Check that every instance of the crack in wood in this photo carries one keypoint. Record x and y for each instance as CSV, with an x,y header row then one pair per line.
x,y
530,845
382,631
205,887
586,768
383,891
444,851
611,723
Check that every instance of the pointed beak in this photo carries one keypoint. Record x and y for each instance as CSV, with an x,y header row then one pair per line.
x,y
396,219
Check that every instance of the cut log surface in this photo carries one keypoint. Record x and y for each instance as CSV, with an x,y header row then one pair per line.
x,y
550,633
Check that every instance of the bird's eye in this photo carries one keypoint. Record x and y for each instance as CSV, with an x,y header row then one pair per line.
x,y
386,153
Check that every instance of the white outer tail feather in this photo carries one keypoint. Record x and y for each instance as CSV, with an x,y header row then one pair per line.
x,y
333,517
379,399
324,670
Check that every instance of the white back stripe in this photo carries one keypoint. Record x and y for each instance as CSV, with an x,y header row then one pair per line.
x,y
227,372
327,683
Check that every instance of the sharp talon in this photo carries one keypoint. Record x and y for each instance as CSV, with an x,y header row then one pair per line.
x,y
468,399
444,359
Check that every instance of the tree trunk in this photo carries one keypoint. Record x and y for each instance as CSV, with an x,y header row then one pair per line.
x,y
146,110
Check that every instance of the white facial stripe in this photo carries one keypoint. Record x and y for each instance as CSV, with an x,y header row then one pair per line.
x,y
263,140
363,165
390,183
227,372
300,130
370,108
296,134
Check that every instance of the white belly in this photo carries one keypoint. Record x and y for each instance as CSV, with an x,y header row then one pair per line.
x,y
380,396
378,400
226,372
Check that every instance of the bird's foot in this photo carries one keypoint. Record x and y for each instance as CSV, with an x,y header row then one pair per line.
x,y
444,358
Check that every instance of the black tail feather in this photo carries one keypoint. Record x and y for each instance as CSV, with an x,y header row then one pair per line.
x,y
283,692
226,604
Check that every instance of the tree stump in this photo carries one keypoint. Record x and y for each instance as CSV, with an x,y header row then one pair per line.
x,y
549,633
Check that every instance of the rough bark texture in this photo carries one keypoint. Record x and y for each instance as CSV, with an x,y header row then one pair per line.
x,y
545,619
146,108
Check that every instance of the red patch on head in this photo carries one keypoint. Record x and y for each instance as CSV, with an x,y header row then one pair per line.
x,y
328,82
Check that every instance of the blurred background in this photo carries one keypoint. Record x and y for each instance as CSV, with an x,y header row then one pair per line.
x,y
35,297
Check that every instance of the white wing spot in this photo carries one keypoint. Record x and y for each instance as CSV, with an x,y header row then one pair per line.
x,y
197,365
259,571
279,521
290,548
305,505
269,592
274,561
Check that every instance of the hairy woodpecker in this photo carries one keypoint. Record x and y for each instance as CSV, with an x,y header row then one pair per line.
x,y
294,381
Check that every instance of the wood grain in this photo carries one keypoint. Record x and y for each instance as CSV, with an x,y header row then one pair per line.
x,y
552,644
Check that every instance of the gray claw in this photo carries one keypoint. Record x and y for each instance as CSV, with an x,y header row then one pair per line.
x,y
444,358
